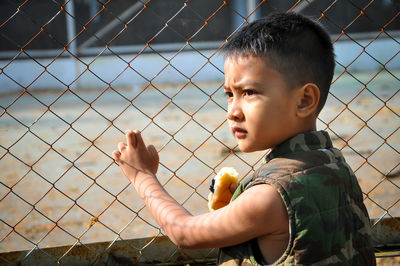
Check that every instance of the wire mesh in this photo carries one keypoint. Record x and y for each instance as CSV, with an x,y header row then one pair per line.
x,y
59,184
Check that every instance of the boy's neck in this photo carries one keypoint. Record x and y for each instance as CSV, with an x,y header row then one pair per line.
x,y
306,125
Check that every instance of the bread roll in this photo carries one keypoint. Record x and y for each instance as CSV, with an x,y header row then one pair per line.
x,y
220,194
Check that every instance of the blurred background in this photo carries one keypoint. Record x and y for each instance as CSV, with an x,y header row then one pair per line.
x,y
74,75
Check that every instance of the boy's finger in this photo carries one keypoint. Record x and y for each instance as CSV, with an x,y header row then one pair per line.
x,y
121,146
139,139
116,155
153,152
232,188
130,138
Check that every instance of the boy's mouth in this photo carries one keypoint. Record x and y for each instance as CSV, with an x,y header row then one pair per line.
x,y
239,132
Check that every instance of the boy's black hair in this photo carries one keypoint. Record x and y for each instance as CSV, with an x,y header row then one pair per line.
x,y
296,46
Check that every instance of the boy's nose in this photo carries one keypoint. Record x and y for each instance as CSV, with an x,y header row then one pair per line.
x,y
235,113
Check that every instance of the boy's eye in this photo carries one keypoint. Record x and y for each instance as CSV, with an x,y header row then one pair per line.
x,y
249,92
228,94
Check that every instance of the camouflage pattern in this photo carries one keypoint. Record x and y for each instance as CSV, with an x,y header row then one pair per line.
x,y
329,224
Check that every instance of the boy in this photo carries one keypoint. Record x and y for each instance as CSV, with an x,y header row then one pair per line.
x,y
304,205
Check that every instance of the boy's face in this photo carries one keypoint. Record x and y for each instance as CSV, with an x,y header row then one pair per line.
x,y
261,108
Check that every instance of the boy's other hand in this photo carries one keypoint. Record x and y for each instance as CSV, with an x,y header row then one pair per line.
x,y
134,157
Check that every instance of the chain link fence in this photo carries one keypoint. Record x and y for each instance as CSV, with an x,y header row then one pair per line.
x,y
76,74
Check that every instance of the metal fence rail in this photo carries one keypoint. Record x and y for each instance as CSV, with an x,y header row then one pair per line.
x,y
60,190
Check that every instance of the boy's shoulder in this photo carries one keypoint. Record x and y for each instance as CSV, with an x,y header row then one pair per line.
x,y
306,154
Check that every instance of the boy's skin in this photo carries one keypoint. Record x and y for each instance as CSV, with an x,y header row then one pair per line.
x,y
262,112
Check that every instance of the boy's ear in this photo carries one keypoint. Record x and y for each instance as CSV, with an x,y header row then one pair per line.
x,y
307,101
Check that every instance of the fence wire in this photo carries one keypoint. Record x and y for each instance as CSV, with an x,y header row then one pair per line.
x,y
59,185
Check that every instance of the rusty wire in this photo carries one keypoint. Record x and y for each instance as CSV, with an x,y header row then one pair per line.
x,y
195,190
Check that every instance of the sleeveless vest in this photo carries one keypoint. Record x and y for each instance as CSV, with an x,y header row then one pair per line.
x,y
328,221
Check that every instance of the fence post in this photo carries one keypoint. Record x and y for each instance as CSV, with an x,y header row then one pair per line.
x,y
71,33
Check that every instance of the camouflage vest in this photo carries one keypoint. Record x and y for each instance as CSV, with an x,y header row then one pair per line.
x,y
328,222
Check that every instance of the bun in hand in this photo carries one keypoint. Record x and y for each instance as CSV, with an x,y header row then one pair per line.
x,y
220,194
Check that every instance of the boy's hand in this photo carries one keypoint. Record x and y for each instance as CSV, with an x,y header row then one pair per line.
x,y
134,157
232,188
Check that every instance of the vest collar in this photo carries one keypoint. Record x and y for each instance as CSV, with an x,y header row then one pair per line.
x,y
306,141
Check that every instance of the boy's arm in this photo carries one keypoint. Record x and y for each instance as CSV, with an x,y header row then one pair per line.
x,y
257,212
